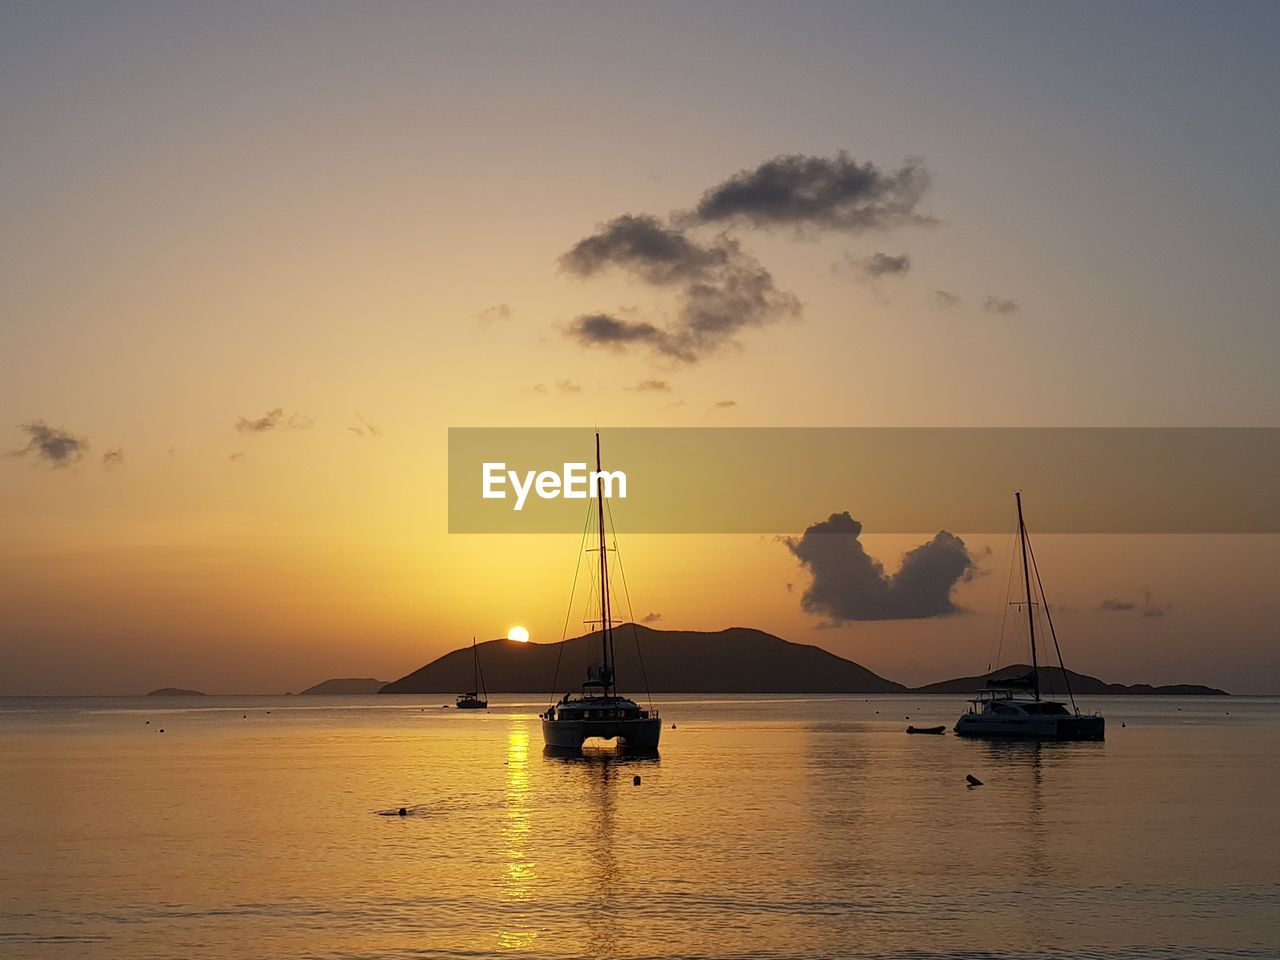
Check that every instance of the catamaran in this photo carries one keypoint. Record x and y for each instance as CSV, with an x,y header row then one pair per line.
x,y
477,698
1004,709
600,711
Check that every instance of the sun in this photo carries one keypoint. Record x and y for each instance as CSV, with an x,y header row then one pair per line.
x,y
518,634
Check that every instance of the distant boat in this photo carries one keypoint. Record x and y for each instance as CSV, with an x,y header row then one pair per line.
x,y
599,711
935,731
477,698
1005,709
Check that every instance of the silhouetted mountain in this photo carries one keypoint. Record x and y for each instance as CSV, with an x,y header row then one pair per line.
x,y
174,692
1051,682
347,686
737,660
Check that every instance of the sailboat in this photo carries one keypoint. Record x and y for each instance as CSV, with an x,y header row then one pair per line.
x,y
600,711
477,698
1012,706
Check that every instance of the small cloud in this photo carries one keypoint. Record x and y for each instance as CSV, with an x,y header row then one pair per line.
x,y
53,445
539,388
946,300
568,386
651,618
113,457
173,453
652,386
499,313
879,265
1116,606
826,193
274,419
366,429
236,457
999,306
725,404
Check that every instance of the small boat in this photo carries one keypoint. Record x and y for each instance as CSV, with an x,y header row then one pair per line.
x,y
1005,709
933,731
600,711
477,698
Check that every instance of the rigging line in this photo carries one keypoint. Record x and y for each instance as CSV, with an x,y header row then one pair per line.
x,y
1004,613
1053,633
564,632
631,613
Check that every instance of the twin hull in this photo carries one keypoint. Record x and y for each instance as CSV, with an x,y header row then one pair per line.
x,y
640,733
1039,728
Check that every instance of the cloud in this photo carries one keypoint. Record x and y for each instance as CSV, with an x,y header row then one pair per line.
x,y
51,444
490,315
725,403
997,305
652,386
827,193
651,618
879,265
946,300
1148,607
113,457
568,386
1117,606
722,289
274,419
539,388
847,584
366,429
236,457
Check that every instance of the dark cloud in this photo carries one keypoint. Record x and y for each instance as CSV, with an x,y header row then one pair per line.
x,y
652,386
366,429
539,388
848,584
879,265
113,457
568,386
829,193
999,306
274,420
723,290
491,315
651,618
947,300
51,444
725,403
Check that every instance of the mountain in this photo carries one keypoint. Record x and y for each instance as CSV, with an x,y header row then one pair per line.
x,y
349,686
174,692
737,660
1051,681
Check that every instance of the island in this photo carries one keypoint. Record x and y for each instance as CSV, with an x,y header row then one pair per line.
x,y
174,692
346,686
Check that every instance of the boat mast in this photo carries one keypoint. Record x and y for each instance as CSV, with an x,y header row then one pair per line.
x,y
1031,615
606,619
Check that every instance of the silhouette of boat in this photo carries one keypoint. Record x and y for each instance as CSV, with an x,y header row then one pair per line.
x,y
935,731
477,698
1005,709
599,711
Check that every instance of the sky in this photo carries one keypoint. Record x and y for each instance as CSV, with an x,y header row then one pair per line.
x,y
258,260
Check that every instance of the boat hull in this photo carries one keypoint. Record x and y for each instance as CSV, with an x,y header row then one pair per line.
x,y
473,705
1032,728
640,734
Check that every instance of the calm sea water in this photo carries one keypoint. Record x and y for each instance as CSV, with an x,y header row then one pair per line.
x,y
769,827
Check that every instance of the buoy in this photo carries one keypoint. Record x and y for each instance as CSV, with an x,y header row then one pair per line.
x,y
148,723
404,812
635,781
673,726
162,729
1122,723
972,780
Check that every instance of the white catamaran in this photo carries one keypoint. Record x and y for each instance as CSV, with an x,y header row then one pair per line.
x,y
599,711
999,711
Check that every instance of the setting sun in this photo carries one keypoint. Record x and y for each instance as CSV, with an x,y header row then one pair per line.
x,y
518,634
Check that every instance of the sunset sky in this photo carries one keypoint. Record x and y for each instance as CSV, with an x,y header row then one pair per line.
x,y
259,258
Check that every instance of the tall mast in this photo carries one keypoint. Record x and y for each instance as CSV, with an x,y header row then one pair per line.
x,y
1026,576
606,620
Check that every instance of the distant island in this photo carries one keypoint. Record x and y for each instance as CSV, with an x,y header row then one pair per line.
x,y
346,686
174,692
736,660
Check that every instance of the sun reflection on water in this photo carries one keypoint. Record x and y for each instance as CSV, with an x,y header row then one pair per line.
x,y
519,870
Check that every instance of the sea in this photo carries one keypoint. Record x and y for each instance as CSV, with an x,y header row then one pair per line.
x,y
766,827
